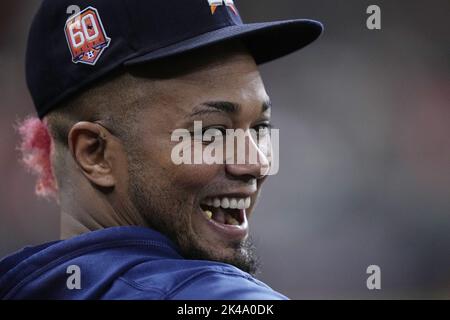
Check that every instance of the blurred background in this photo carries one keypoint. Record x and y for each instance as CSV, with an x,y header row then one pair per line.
x,y
364,118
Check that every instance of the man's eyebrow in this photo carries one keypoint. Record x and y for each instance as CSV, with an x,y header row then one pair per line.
x,y
223,106
215,106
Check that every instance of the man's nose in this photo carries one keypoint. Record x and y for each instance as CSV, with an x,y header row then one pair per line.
x,y
248,159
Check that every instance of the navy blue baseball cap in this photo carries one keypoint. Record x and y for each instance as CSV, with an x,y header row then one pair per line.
x,y
74,43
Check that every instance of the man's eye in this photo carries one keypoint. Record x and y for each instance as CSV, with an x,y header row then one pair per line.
x,y
212,133
262,129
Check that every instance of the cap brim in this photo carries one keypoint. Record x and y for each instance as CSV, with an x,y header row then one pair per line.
x,y
266,41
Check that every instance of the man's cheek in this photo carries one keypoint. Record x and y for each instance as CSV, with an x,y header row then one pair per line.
x,y
194,177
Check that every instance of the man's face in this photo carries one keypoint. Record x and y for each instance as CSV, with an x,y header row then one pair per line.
x,y
188,202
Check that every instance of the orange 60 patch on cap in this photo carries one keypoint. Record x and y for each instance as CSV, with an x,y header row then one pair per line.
x,y
86,36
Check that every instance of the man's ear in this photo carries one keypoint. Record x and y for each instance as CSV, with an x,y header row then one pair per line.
x,y
93,147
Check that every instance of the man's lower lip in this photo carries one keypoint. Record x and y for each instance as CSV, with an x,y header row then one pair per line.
x,y
231,232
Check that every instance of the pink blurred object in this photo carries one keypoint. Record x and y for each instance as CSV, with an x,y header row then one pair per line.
x,y
36,148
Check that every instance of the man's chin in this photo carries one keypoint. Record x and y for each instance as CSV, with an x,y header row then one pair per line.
x,y
241,255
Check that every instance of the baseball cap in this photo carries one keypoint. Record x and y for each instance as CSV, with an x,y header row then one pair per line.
x,y
72,44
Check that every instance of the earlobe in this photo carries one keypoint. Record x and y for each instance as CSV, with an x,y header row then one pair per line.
x,y
89,143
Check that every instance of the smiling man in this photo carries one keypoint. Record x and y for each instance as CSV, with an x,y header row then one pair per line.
x,y
111,84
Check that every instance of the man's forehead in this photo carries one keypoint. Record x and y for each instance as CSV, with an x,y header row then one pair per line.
x,y
173,87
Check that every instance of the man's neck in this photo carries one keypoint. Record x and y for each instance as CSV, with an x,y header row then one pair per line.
x,y
71,227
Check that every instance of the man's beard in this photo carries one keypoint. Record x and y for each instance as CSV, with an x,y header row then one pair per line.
x,y
162,213
244,257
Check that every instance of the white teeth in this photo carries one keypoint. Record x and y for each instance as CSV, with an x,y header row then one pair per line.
x,y
225,203
247,202
216,203
232,203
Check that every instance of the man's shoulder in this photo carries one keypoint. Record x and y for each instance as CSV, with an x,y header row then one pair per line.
x,y
189,279
122,263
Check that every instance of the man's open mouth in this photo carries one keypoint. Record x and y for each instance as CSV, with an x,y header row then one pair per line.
x,y
226,210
